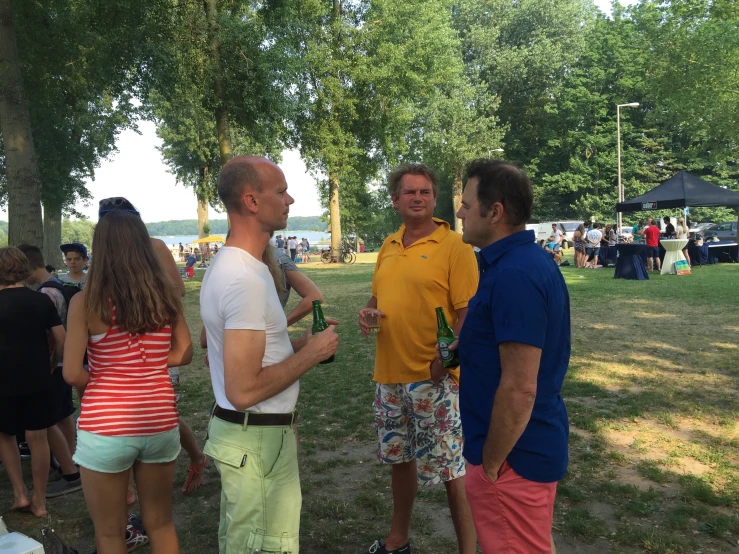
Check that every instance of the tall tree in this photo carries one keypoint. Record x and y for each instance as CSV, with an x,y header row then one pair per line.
x,y
218,91
21,169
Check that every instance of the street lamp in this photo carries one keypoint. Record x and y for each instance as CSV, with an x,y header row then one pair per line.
x,y
618,134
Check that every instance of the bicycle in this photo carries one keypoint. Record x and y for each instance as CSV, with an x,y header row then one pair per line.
x,y
345,255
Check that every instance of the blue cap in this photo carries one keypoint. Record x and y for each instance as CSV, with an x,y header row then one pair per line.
x,y
74,246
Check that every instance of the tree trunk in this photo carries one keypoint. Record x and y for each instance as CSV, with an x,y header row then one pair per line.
x,y
457,197
21,170
202,202
333,212
223,130
53,234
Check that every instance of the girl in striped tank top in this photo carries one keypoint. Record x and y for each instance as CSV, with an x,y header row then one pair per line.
x,y
129,319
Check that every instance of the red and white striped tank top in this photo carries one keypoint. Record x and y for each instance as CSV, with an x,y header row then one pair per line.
x,y
129,393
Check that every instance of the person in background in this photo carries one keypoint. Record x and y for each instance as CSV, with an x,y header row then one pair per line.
x,y
636,231
612,236
682,232
292,278
62,435
75,258
292,245
190,265
579,243
306,251
27,396
132,324
52,271
557,233
422,266
651,237
669,228
552,248
280,242
592,249
514,351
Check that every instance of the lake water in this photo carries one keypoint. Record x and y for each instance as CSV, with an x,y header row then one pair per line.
x,y
314,237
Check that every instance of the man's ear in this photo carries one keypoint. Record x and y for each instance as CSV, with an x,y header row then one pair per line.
x,y
250,201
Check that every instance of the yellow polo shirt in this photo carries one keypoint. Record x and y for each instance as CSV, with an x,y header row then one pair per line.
x,y
409,283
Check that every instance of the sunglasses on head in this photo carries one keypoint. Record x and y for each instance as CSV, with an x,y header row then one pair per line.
x,y
116,204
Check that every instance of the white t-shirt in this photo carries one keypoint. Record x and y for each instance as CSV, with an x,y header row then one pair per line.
x,y
238,293
681,232
594,236
292,244
557,236
67,279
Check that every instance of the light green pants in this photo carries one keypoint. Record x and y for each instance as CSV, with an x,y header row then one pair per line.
x,y
260,496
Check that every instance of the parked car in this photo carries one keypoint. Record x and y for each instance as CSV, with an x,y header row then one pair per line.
x,y
722,231
699,228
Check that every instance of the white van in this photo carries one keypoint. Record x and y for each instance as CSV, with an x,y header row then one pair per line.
x,y
568,228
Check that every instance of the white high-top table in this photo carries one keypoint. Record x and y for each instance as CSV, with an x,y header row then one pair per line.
x,y
673,253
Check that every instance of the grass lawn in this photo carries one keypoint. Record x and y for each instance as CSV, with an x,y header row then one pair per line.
x,y
651,393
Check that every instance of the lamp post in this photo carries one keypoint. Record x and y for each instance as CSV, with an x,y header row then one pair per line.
x,y
618,135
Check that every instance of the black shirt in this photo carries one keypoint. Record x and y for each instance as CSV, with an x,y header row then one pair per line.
x,y
25,317
669,230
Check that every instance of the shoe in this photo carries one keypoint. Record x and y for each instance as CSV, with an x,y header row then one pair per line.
x,y
24,450
378,547
54,475
135,538
62,487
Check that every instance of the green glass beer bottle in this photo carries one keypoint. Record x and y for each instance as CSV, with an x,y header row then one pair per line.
x,y
319,324
445,337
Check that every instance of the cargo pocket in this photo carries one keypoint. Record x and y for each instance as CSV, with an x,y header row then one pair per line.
x,y
233,456
261,543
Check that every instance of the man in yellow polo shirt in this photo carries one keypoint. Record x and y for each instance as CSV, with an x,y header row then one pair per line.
x,y
422,266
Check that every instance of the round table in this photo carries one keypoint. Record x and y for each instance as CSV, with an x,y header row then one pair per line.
x,y
630,262
673,253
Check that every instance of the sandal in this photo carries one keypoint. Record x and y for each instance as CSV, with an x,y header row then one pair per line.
x,y
193,472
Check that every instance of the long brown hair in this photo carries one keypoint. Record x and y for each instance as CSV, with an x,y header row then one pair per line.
x,y
128,274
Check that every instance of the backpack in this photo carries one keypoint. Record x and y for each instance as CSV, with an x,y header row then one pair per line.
x,y
68,290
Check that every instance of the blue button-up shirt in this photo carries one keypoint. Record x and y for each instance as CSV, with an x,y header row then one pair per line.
x,y
522,297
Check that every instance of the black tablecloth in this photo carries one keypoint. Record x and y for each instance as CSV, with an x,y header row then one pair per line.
x,y
630,262
607,253
725,251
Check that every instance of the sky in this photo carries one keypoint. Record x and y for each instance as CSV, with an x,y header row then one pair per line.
x,y
137,172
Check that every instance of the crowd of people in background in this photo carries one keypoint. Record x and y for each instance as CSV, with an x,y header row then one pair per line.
x,y
589,238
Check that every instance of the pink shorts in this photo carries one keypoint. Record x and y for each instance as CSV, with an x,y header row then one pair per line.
x,y
512,515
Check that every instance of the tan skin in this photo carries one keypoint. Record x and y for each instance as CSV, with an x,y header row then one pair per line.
x,y
415,203
258,214
514,399
75,262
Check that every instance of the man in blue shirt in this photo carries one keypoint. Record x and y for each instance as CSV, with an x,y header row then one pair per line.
x,y
514,350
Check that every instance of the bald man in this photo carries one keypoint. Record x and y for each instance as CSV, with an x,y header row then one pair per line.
x,y
254,368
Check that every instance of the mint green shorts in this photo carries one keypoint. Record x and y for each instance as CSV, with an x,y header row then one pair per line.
x,y
116,454
260,487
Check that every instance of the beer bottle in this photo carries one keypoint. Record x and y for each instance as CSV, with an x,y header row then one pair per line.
x,y
445,337
319,324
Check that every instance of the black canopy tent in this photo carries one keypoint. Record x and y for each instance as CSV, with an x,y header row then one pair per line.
x,y
682,190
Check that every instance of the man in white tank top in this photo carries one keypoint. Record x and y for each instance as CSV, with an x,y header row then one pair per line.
x,y
254,368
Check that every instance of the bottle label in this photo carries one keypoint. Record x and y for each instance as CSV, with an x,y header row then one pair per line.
x,y
446,354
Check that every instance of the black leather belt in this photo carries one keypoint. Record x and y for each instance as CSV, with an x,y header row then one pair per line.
x,y
238,418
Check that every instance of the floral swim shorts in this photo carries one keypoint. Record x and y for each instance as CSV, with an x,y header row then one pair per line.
x,y
421,421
